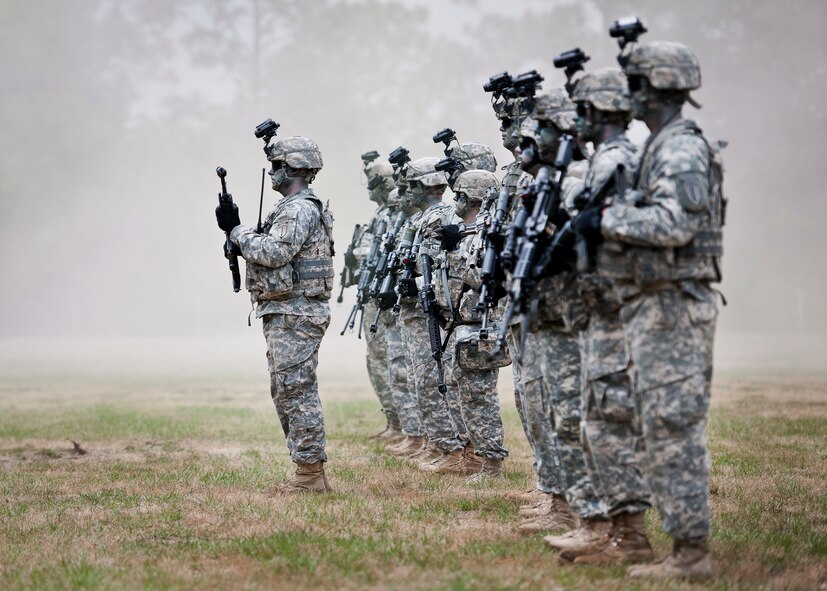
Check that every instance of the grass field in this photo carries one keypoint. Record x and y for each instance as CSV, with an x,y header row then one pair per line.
x,y
170,495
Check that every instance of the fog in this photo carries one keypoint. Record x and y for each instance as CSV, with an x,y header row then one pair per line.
x,y
115,114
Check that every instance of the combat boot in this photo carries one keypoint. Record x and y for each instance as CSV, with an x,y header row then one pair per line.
x,y
590,532
308,478
627,544
426,454
450,463
392,434
381,433
408,446
689,559
491,468
471,462
559,518
529,496
541,507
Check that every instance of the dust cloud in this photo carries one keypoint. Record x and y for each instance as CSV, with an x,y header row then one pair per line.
x,y
115,115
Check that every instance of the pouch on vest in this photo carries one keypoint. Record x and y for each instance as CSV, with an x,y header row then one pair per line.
x,y
473,353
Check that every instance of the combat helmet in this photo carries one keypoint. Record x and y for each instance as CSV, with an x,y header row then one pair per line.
x,y
474,156
423,170
667,65
556,107
605,88
297,152
476,184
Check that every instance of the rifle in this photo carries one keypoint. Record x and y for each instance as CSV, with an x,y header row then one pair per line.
x,y
536,238
428,300
225,202
366,270
408,251
385,266
347,276
490,270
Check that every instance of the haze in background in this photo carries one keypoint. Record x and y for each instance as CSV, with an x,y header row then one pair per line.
x,y
115,114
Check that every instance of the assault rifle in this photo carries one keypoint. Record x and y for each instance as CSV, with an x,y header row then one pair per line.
x,y
491,269
386,289
225,202
428,300
408,251
348,275
536,239
383,266
366,269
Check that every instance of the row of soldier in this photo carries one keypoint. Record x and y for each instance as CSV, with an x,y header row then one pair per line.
x,y
589,274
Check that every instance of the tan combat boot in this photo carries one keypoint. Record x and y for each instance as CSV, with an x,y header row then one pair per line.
x,y
380,433
491,468
690,559
426,454
450,463
627,544
308,478
471,462
407,446
528,497
392,434
559,518
543,506
590,532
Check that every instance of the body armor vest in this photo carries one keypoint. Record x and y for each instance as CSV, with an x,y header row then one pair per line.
x,y
310,273
697,260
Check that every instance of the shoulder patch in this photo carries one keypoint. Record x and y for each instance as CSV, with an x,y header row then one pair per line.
x,y
692,190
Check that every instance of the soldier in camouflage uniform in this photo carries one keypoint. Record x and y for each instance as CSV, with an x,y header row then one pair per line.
x,y
380,184
474,374
529,393
662,248
558,318
440,414
290,279
608,426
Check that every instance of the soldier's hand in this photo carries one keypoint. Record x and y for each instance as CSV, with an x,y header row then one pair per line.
x,y
450,236
560,218
407,288
227,217
587,225
386,300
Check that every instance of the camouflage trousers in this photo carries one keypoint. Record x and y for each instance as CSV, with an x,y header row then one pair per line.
x,y
480,407
404,395
292,355
534,408
560,362
377,361
609,428
440,414
670,335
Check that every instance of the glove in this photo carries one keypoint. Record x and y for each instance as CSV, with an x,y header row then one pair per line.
x,y
450,237
587,225
386,300
351,261
227,217
560,218
233,250
407,288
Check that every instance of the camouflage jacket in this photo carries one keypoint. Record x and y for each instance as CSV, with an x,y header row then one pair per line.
x,y
289,264
369,231
669,228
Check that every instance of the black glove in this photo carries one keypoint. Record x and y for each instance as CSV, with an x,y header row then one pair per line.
x,y
560,217
234,250
407,288
351,261
386,300
587,225
450,237
227,217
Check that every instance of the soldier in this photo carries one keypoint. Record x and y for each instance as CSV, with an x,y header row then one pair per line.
x,y
608,427
290,280
553,334
471,369
663,248
380,184
441,415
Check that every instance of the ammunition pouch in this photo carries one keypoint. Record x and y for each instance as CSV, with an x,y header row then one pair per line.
x,y
473,353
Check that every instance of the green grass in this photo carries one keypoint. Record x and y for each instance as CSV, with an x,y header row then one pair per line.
x,y
173,497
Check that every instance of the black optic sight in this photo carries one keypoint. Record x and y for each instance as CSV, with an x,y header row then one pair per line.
x,y
498,83
527,84
369,157
446,136
399,156
572,61
448,165
266,130
627,30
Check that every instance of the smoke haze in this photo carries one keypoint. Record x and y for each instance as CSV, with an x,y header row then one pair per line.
x,y
115,115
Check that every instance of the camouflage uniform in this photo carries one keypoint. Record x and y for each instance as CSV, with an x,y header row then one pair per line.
x,y
609,429
290,278
663,243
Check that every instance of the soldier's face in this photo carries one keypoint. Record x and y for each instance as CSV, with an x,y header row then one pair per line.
x,y
508,132
529,155
548,140
461,204
278,174
584,122
639,95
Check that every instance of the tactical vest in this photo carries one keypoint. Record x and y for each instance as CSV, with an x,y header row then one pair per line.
x,y
700,258
309,274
